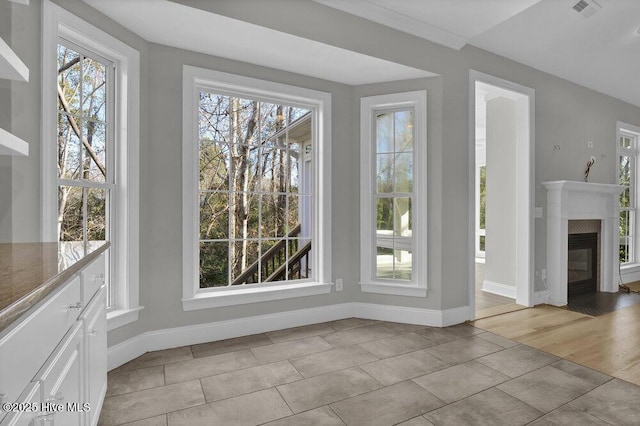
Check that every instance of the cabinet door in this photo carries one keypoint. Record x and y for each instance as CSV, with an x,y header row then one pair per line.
x,y
28,409
93,277
62,380
95,320
28,343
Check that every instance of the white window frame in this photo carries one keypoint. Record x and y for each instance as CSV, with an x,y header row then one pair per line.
x,y
124,251
197,79
417,287
625,129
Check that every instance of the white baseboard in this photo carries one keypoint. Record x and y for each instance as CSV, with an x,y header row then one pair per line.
x,y
499,289
540,297
201,333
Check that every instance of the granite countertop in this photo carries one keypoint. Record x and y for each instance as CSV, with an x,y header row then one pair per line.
x,y
30,271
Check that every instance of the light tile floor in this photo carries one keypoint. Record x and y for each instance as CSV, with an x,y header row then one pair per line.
x,y
363,372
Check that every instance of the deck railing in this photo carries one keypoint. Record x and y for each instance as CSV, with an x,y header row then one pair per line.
x,y
273,263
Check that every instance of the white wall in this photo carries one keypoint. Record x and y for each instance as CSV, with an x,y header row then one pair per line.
x,y
500,260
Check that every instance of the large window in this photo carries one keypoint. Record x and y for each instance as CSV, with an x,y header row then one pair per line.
x,y
393,201
627,177
255,199
90,151
84,144
256,190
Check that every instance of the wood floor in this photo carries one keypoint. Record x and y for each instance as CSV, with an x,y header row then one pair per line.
x,y
488,304
609,343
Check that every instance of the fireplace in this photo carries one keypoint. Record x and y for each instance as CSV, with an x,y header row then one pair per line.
x,y
582,263
569,201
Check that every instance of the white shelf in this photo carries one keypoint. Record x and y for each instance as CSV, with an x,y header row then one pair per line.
x,y
12,145
11,66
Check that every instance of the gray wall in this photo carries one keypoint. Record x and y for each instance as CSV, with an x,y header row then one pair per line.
x,y
500,266
566,114
5,123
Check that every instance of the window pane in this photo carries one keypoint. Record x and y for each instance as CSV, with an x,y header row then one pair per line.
x,y
403,217
624,250
384,172
384,133
214,117
245,220
97,202
70,201
293,214
94,90
625,142
403,131
404,172
214,264
299,251
69,79
294,160
244,121
214,165
244,262
272,120
482,242
94,159
624,223
625,198
214,215
69,148
384,262
402,264
625,170
274,213
384,216
273,254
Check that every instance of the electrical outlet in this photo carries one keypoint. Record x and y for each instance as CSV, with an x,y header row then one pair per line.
x,y
339,284
590,144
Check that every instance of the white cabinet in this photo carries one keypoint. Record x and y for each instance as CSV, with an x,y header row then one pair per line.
x,y
61,380
95,332
53,363
30,415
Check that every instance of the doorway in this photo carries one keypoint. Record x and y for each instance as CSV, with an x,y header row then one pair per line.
x,y
502,193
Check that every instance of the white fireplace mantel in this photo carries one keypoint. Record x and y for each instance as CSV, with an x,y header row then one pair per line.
x,y
570,200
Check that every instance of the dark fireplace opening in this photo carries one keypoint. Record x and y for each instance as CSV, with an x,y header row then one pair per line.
x,y
582,264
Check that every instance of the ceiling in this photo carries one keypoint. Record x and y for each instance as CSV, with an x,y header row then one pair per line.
x,y
601,52
189,28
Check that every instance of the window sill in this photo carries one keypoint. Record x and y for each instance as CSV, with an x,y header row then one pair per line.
x,y
120,317
225,297
394,289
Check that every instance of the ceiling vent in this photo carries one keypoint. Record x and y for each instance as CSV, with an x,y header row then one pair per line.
x,y
586,8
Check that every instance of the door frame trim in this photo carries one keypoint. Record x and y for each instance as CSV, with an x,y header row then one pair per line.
x,y
525,199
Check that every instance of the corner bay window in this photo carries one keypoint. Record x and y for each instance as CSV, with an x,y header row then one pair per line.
x,y
256,190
